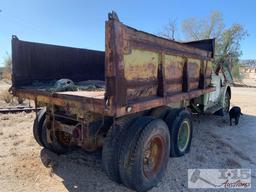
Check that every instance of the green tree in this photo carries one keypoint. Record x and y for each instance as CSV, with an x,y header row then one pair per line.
x,y
229,49
227,39
197,29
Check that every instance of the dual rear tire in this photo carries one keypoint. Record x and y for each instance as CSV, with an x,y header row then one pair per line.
x,y
144,154
138,153
180,126
37,126
140,150
181,130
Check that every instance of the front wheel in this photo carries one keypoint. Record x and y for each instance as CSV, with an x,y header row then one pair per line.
x,y
58,141
226,104
37,126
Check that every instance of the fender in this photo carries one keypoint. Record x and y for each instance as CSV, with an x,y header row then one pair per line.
x,y
225,89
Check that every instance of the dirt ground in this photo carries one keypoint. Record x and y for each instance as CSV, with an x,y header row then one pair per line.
x,y
25,166
4,87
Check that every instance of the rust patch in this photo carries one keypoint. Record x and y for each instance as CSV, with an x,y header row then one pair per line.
x,y
141,65
141,92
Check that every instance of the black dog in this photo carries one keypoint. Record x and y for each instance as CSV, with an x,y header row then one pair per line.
x,y
235,113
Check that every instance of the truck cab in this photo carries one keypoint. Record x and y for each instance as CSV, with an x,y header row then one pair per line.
x,y
220,98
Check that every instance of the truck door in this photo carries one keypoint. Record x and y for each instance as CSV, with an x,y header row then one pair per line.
x,y
212,100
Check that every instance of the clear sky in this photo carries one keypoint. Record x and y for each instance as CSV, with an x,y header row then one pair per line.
x,y
80,23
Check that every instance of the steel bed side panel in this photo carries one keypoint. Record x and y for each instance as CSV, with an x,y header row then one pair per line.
x,y
146,71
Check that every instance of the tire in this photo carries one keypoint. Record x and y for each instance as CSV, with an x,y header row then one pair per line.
x,y
131,135
172,113
226,104
55,145
160,112
37,126
135,168
181,130
45,142
111,148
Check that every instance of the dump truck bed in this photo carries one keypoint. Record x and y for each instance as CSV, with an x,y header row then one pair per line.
x,y
90,100
140,71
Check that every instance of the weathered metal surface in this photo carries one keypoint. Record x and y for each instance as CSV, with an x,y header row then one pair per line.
x,y
141,65
208,72
18,109
193,73
141,68
87,94
142,92
76,102
206,44
42,62
85,131
147,66
141,71
142,105
173,73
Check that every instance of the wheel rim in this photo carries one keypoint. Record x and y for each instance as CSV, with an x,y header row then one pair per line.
x,y
63,138
183,135
153,155
226,103
60,136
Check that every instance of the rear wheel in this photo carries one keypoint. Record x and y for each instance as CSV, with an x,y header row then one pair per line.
x,y
58,142
181,129
111,148
38,124
172,113
145,153
160,112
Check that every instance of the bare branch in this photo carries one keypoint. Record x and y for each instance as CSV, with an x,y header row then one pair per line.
x,y
170,29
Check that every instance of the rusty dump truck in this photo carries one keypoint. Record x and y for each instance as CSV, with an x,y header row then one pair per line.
x,y
133,102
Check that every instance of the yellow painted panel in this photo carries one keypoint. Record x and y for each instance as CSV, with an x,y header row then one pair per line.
x,y
141,65
194,67
210,63
173,66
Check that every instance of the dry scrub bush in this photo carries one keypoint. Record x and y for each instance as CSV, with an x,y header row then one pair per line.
x,y
7,75
20,100
6,96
